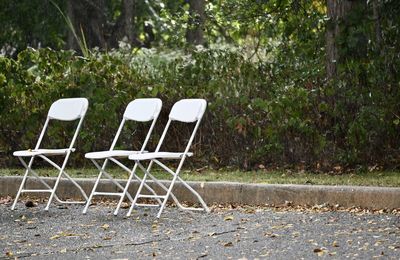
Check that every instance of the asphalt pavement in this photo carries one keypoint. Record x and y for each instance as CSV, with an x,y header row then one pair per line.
x,y
238,232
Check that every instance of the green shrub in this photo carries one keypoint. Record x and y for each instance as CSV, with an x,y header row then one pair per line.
x,y
259,112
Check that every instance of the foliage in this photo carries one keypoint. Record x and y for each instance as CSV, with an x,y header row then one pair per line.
x,y
262,71
30,23
256,113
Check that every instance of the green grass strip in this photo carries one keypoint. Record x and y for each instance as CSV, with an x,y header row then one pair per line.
x,y
384,178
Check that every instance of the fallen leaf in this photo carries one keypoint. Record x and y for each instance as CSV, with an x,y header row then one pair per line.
x,y
319,251
282,226
296,234
20,241
65,234
125,205
5,200
55,237
105,226
86,225
269,234
228,218
250,210
228,244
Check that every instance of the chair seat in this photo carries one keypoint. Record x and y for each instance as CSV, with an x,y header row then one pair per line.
x,y
157,155
108,154
29,153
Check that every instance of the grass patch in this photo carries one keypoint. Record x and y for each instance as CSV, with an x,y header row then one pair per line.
x,y
388,179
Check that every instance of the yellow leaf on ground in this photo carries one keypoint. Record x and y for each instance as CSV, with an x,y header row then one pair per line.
x,y
228,218
105,226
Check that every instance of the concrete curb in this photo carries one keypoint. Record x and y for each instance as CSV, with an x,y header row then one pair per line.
x,y
231,192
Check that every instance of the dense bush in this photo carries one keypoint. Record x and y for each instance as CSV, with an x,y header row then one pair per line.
x,y
259,112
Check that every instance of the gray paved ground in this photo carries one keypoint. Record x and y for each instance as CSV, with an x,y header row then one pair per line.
x,y
64,233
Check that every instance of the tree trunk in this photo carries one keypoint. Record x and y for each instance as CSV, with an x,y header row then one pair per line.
x,y
128,19
124,28
336,10
376,5
71,42
87,16
195,33
339,21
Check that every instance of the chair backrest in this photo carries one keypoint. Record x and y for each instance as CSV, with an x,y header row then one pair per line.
x,y
143,109
188,110
68,109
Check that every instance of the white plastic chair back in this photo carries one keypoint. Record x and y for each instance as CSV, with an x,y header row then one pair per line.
x,y
143,110
188,110
68,109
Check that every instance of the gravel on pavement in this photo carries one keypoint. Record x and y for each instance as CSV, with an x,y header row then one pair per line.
x,y
236,232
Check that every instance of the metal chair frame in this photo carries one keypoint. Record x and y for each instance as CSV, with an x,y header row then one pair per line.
x,y
64,110
188,111
140,110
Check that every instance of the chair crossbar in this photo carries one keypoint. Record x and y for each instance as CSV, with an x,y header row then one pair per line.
x,y
164,167
133,173
147,205
65,174
194,209
160,184
151,196
122,194
36,175
72,202
30,190
103,193
143,183
102,171
195,193
179,179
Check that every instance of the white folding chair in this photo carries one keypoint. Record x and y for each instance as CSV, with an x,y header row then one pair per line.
x,y
68,109
140,110
187,111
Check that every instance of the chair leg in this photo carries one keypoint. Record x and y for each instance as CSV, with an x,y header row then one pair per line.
x,y
102,171
138,191
22,183
194,192
53,192
125,191
92,193
171,186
